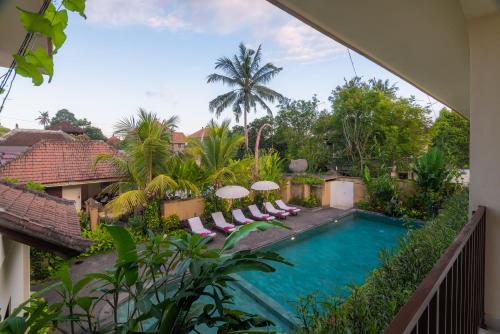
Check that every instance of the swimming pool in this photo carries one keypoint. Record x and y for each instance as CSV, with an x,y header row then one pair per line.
x,y
326,259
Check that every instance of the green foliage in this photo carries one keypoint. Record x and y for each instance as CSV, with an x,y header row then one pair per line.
x,y
383,193
432,171
308,202
216,153
372,126
3,129
271,167
43,265
171,223
152,216
10,180
304,179
151,170
199,297
35,186
247,80
371,307
215,204
450,134
51,24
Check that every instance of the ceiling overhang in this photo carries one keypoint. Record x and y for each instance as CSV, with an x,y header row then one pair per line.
x,y
14,35
424,42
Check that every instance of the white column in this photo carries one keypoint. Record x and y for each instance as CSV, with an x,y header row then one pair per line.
x,y
484,39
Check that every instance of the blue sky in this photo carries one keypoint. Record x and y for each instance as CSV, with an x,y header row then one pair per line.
x,y
156,54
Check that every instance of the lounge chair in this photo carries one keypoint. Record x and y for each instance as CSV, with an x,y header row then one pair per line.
x,y
197,227
275,212
240,217
221,224
255,212
293,210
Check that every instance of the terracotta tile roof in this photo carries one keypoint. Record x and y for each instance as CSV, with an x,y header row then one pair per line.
x,y
8,153
66,127
178,137
29,137
198,134
40,220
55,162
113,140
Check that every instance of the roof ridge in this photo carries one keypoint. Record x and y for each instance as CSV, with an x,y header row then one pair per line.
x,y
36,193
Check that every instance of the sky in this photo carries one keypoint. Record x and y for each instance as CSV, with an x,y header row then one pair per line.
x,y
156,54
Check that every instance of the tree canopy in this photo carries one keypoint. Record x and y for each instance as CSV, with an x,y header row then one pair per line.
x,y
64,115
450,133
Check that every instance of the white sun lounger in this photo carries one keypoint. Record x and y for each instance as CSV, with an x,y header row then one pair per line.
x,y
221,224
293,210
240,217
197,227
275,212
255,212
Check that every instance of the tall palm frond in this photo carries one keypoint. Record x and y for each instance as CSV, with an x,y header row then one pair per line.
x,y
127,202
160,185
247,78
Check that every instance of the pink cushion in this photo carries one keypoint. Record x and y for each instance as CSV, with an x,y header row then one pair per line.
x,y
228,228
204,234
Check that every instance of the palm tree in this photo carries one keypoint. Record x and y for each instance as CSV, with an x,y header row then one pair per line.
x,y
144,163
43,119
247,79
216,152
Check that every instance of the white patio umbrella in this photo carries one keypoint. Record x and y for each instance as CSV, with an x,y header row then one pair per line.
x,y
232,192
265,186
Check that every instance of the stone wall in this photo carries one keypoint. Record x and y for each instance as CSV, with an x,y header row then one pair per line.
x,y
184,208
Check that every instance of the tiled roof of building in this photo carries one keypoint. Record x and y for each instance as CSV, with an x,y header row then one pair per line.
x,y
66,127
60,162
29,137
113,140
198,134
8,153
40,220
178,137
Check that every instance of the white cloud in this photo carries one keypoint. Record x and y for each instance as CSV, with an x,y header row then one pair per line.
x,y
296,41
222,16
302,43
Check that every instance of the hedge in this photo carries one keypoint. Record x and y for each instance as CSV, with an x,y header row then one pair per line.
x,y
371,306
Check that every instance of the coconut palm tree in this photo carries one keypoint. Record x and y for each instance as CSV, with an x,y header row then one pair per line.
x,y
43,119
144,163
247,80
216,152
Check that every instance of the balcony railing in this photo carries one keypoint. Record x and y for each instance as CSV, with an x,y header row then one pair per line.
x,y
451,297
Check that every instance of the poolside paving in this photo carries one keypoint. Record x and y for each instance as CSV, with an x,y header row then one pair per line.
x,y
307,218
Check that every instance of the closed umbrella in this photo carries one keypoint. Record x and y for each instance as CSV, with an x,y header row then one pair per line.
x,y
265,186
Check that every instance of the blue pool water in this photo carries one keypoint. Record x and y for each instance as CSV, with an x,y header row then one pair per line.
x,y
328,258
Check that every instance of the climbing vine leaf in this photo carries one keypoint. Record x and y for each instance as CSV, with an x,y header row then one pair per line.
x,y
51,24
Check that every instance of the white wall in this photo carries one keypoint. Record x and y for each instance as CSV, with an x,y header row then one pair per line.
x,y
14,273
484,39
73,193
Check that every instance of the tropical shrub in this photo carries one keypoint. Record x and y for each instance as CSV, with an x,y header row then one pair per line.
x,y
433,180
371,307
214,204
302,179
171,223
102,241
271,167
172,285
308,201
152,216
383,193
43,265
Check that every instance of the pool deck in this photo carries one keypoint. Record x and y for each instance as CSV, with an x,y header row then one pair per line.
x,y
307,219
